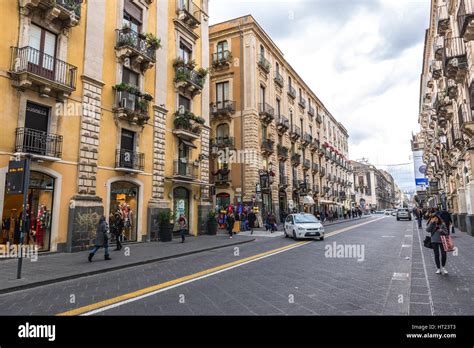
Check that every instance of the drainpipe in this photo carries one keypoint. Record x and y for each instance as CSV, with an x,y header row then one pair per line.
x,y
242,103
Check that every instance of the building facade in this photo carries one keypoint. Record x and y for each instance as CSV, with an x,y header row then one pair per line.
x,y
273,142
91,91
446,104
374,188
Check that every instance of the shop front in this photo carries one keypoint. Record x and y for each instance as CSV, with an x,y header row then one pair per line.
x,y
124,197
181,198
39,213
282,204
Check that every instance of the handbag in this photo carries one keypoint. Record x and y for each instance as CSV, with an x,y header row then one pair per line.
x,y
427,242
448,244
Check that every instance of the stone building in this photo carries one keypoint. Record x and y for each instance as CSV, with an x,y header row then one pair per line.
x,y
446,104
290,152
91,91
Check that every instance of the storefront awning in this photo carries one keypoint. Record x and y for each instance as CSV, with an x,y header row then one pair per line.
x,y
308,200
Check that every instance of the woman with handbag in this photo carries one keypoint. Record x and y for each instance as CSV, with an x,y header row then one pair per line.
x,y
101,240
437,228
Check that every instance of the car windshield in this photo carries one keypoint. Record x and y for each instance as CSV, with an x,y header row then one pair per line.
x,y
306,218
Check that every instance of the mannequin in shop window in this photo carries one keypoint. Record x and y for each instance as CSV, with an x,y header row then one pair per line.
x,y
12,226
5,229
128,221
42,221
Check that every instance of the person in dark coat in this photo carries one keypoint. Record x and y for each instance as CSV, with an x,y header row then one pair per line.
x,y
118,227
251,218
230,224
437,228
271,221
446,217
101,239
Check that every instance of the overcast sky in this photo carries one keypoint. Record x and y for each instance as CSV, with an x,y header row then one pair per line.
x,y
361,57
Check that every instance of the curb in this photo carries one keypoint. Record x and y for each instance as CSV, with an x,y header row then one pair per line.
x,y
111,269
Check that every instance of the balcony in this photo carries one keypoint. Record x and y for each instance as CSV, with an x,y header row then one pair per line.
x,y
438,47
295,132
131,105
222,179
319,119
263,63
306,164
187,125
278,79
184,169
315,168
452,89
282,124
457,136
282,152
140,49
314,146
315,189
35,70
296,159
188,13
302,102
39,144
466,19
266,112
307,139
466,121
221,60
442,20
223,142
436,69
284,182
322,172
329,177
129,161
67,12
291,92
267,147
455,59
222,109
187,79
311,110
443,106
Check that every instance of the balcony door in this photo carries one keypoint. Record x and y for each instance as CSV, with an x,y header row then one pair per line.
x,y
185,51
222,94
183,156
41,55
132,16
129,100
35,134
127,149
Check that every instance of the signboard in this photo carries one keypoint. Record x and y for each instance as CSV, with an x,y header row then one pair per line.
x,y
15,177
421,181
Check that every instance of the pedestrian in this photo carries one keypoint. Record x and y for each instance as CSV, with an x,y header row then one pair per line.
x,y
230,224
323,216
243,221
446,217
419,216
271,220
251,218
437,228
118,227
182,223
101,240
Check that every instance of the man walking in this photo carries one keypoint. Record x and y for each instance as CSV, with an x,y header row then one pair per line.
x,y
251,218
419,216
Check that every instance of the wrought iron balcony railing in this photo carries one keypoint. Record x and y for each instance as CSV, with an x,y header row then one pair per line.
x,y
284,182
221,58
127,37
188,12
279,79
283,124
291,91
465,19
306,164
185,169
311,111
136,108
71,5
302,102
295,132
131,160
32,61
296,159
37,142
226,107
266,112
263,63
225,141
282,151
268,146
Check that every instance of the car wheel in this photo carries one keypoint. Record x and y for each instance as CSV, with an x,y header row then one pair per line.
x,y
398,219
321,238
286,234
294,236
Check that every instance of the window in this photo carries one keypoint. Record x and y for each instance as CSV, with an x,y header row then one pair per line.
x,y
291,118
278,106
264,132
277,68
185,51
43,52
280,139
300,93
130,77
289,81
262,51
127,140
262,94
222,131
281,169
222,93
184,103
132,16
222,50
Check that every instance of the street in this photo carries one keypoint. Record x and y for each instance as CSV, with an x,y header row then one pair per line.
x,y
372,266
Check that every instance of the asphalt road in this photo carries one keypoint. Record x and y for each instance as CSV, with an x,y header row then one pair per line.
x,y
363,267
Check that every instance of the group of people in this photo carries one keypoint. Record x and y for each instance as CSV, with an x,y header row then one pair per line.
x,y
438,223
121,219
246,219
333,215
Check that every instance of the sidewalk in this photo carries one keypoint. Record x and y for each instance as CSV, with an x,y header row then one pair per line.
x,y
56,267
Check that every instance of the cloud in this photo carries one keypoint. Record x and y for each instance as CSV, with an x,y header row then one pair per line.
x,y
362,58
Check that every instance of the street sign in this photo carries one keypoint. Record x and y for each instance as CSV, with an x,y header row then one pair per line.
x,y
16,177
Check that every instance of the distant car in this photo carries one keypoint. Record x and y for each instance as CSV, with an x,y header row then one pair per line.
x,y
394,213
403,213
387,211
379,212
303,225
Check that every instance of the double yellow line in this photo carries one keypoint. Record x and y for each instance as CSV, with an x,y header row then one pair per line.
x,y
175,282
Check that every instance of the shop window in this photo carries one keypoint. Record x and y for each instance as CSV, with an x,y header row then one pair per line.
x,y
181,205
124,199
39,213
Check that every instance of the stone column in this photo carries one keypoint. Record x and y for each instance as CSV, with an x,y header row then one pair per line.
x,y
251,131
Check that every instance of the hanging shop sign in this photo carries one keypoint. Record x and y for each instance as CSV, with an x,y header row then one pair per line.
x,y
16,177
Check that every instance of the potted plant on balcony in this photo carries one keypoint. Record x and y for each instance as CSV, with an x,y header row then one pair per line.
x,y
211,223
165,232
147,96
178,62
152,41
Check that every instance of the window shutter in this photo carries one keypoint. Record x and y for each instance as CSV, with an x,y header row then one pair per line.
x,y
133,10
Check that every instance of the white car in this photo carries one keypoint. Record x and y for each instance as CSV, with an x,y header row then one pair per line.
x,y
388,211
303,225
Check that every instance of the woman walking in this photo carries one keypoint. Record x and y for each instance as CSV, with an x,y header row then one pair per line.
x,y
182,226
101,240
437,228
230,224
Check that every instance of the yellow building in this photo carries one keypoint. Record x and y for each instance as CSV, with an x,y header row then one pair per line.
x,y
274,143
89,91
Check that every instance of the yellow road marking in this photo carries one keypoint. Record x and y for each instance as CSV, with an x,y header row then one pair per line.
x,y
147,290
144,291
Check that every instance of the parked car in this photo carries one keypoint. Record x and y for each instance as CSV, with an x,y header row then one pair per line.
x,y
303,225
379,212
388,211
403,213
